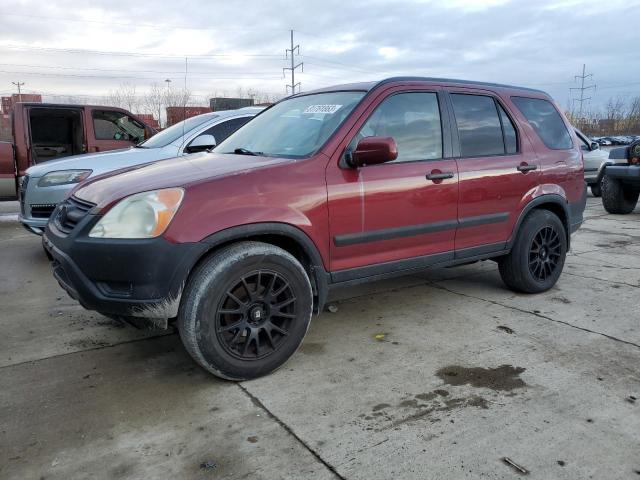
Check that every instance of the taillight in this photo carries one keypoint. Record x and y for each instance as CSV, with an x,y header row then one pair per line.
x,y
635,161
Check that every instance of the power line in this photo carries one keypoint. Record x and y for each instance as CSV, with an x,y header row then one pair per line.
x,y
582,88
137,54
179,77
160,26
293,67
125,70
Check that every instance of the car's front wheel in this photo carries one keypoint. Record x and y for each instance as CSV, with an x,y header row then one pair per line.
x,y
245,310
596,189
538,253
618,198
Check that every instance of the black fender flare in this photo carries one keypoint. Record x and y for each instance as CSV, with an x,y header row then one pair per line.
x,y
536,202
319,274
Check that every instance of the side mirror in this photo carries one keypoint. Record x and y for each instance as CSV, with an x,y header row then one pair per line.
x,y
595,145
201,143
373,151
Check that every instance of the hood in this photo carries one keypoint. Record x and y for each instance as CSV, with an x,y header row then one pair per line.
x,y
99,162
175,172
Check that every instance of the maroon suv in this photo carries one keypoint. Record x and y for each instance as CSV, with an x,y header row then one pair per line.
x,y
324,189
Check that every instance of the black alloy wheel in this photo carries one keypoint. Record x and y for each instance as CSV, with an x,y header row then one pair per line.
x,y
255,315
245,310
537,256
545,253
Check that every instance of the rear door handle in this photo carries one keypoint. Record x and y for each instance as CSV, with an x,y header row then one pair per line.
x,y
527,168
439,176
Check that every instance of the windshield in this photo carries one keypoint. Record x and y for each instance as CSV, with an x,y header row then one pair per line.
x,y
293,128
168,135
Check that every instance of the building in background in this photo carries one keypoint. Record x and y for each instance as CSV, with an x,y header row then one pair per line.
x,y
7,104
229,103
177,114
149,119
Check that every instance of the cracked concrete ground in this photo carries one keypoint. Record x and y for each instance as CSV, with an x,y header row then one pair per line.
x,y
438,375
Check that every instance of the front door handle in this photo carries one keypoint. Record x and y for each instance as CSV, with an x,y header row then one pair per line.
x,y
439,175
526,168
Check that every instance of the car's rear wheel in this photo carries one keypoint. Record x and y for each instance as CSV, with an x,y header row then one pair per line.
x,y
245,310
596,189
618,198
538,254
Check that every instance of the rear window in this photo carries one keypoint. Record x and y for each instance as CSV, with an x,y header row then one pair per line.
x,y
546,121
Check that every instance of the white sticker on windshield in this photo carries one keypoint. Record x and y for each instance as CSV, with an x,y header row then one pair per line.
x,y
322,109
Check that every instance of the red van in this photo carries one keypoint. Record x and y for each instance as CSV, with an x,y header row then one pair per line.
x,y
328,188
45,131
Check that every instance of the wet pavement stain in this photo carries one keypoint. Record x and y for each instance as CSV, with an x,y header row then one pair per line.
x,y
422,406
311,348
505,329
502,378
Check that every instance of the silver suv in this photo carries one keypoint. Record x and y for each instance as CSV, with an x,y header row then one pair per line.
x,y
47,184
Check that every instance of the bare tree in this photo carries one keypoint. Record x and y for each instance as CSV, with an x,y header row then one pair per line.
x,y
124,97
154,100
177,97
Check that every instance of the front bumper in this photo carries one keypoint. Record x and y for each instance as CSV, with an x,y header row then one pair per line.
x,y
139,278
628,174
33,225
37,203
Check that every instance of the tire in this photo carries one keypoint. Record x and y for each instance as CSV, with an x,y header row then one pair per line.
x,y
530,268
616,198
245,310
596,189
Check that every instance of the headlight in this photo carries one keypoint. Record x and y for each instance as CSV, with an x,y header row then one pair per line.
x,y
63,177
143,215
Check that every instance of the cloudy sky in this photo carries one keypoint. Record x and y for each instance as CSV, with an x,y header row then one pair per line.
x,y
64,47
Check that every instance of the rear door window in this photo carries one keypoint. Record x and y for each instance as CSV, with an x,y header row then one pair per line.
x,y
510,136
546,121
112,125
479,126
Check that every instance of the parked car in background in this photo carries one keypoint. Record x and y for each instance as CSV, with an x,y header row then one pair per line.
x,y
44,186
603,141
621,181
594,162
323,190
43,132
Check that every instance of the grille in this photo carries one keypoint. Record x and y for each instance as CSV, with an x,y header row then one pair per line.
x,y
22,191
42,210
70,212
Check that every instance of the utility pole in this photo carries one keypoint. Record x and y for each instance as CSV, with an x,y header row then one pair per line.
x,y
582,89
293,66
19,84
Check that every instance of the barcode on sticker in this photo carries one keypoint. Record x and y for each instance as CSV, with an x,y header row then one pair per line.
x,y
322,108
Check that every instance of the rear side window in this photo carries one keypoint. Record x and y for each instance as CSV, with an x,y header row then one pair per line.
x,y
510,137
479,126
413,120
546,121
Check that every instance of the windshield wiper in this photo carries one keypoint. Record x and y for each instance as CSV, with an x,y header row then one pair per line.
x,y
246,151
